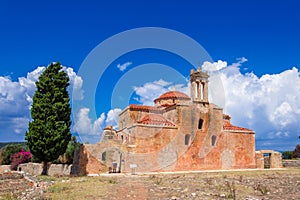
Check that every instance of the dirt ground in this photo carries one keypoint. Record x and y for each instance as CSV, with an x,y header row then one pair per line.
x,y
258,184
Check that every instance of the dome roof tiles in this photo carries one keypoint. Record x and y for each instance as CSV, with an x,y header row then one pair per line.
x,y
173,95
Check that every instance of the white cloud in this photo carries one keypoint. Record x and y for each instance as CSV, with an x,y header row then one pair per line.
x,y
123,66
151,90
162,82
16,100
75,84
215,66
270,104
83,125
282,115
91,131
29,81
112,117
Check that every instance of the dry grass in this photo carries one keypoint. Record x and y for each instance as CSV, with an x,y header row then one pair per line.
x,y
268,184
80,188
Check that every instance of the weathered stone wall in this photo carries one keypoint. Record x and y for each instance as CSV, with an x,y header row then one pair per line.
x,y
155,148
291,163
4,168
275,159
90,156
259,160
54,169
152,138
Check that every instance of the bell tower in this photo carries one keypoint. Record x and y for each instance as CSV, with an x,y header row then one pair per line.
x,y
199,86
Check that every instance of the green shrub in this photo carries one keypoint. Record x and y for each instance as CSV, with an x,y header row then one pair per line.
x,y
287,155
8,151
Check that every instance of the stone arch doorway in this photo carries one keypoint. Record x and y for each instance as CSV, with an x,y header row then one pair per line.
x,y
267,160
111,155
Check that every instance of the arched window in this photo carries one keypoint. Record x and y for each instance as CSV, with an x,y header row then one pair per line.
x,y
201,91
187,139
213,140
200,123
195,88
103,157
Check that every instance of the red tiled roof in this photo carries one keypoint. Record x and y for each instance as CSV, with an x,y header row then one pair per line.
x,y
155,119
173,94
229,127
143,108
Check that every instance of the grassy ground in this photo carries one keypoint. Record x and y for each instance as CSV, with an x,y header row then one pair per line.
x,y
260,184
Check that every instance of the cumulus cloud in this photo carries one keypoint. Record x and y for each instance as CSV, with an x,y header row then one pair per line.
x,y
91,131
149,91
269,104
123,67
16,99
215,66
84,125
152,90
112,117
75,84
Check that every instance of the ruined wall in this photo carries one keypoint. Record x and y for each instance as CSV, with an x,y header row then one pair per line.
x,y
4,168
273,159
291,163
276,160
259,157
54,169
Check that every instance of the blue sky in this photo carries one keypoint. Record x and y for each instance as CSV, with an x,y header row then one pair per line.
x,y
254,38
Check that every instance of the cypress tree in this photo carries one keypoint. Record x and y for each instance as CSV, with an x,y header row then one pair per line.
x,y
49,132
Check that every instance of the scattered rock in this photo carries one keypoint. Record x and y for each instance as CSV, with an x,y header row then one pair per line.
x,y
222,195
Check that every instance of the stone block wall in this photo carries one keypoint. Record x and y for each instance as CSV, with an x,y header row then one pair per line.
x,y
291,163
54,169
275,159
4,168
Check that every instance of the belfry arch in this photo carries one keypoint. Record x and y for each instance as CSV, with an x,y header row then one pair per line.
x,y
199,86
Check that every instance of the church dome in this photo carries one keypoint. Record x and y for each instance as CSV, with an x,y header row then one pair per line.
x,y
172,95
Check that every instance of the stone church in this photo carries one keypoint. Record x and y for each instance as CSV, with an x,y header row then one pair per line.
x,y
178,133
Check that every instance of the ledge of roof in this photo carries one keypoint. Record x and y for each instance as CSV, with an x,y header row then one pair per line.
x,y
155,119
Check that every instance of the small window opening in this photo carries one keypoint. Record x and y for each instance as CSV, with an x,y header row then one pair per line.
x,y
187,139
200,124
197,90
103,158
201,91
213,140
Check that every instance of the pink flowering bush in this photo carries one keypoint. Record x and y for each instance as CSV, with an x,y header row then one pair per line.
x,y
19,158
